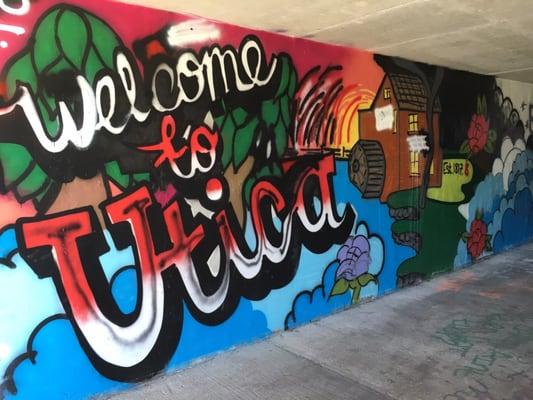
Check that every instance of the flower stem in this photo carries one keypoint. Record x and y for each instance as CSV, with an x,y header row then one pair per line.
x,y
356,293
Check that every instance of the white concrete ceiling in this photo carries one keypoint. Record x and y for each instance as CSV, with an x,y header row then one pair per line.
x,y
486,36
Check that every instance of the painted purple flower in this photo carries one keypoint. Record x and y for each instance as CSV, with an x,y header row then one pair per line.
x,y
354,258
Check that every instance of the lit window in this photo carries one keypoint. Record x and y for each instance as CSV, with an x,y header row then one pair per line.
x,y
414,165
395,121
432,168
413,122
387,94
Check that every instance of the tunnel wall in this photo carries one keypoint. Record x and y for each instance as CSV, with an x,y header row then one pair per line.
x,y
174,186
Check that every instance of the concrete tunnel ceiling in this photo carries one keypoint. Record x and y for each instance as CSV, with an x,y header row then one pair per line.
x,y
493,37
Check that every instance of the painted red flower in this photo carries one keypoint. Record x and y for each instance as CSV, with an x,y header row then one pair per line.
x,y
477,239
478,133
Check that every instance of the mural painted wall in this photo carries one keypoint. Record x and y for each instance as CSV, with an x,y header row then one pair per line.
x,y
172,186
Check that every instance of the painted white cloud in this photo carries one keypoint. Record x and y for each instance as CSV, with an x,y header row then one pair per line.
x,y
521,94
504,164
26,301
464,210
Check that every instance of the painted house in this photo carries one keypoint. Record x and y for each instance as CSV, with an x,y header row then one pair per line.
x,y
389,154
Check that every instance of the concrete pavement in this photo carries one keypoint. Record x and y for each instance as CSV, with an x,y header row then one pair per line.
x,y
462,336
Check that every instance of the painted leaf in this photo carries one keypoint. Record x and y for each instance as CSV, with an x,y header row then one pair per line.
x,y
281,138
104,40
482,106
141,177
239,115
293,83
242,143
276,170
45,51
61,64
73,37
489,147
39,197
22,70
51,124
365,279
354,284
270,112
20,174
284,104
488,244
340,287
227,133
93,65
15,160
34,183
219,120
112,169
285,76
465,148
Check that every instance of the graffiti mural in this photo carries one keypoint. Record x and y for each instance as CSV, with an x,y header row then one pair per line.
x,y
172,186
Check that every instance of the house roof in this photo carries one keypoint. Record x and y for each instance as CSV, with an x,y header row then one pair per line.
x,y
410,93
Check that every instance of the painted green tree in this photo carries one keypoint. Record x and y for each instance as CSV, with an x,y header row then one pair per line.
x,y
255,141
66,41
69,42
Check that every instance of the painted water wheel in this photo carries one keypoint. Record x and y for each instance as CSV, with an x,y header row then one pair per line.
x,y
367,168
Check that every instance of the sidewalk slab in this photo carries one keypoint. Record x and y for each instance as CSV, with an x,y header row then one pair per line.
x,y
463,336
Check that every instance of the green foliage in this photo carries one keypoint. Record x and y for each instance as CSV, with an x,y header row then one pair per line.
x,y
270,112
241,128
482,106
66,40
243,142
488,243
465,148
21,175
340,287
439,246
343,285
227,133
113,171
365,279
491,139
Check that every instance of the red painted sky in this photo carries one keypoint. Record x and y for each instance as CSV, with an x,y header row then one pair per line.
x,y
132,22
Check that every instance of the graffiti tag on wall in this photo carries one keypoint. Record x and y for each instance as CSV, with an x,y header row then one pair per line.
x,y
178,191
